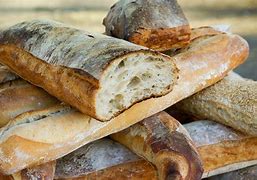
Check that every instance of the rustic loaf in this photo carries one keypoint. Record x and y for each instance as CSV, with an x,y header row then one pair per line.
x,y
232,101
163,141
42,136
99,75
19,96
162,24
221,148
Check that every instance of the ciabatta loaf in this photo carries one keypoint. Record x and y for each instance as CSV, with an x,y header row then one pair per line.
x,y
99,75
159,25
163,141
232,101
42,136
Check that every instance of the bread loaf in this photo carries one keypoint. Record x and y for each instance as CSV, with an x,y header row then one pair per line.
x,y
19,96
100,157
162,24
52,133
221,148
163,141
232,101
41,172
99,75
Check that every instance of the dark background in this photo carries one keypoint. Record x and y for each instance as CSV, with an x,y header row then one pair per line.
x,y
88,14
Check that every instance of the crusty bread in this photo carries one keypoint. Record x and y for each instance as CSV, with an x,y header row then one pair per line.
x,y
19,96
249,173
158,31
6,75
99,75
232,101
163,141
41,172
221,148
55,132
93,157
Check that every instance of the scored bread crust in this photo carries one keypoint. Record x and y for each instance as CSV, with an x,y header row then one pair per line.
x,y
163,141
221,148
62,129
17,97
73,65
232,101
158,31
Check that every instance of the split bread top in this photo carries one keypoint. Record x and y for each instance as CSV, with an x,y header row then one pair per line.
x,y
159,25
42,136
100,75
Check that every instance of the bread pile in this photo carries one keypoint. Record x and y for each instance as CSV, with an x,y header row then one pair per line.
x,y
82,105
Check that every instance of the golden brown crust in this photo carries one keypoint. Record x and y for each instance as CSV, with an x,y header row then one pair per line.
x,y
138,170
169,29
203,31
162,39
18,97
205,63
32,50
163,141
41,172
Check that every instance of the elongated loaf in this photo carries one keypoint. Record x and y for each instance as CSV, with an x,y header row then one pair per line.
x,y
162,24
99,75
6,75
232,101
19,96
221,148
163,141
42,136
99,157
41,172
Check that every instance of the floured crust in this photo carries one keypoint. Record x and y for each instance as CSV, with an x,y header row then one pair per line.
x,y
138,170
163,141
221,148
207,63
41,172
162,25
70,63
231,101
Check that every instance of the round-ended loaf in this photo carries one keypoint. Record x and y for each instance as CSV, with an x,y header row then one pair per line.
x,y
99,75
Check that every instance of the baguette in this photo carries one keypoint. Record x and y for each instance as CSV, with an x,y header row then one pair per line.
x,y
169,29
232,101
6,75
221,148
249,173
99,75
100,158
17,97
40,172
163,141
52,133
